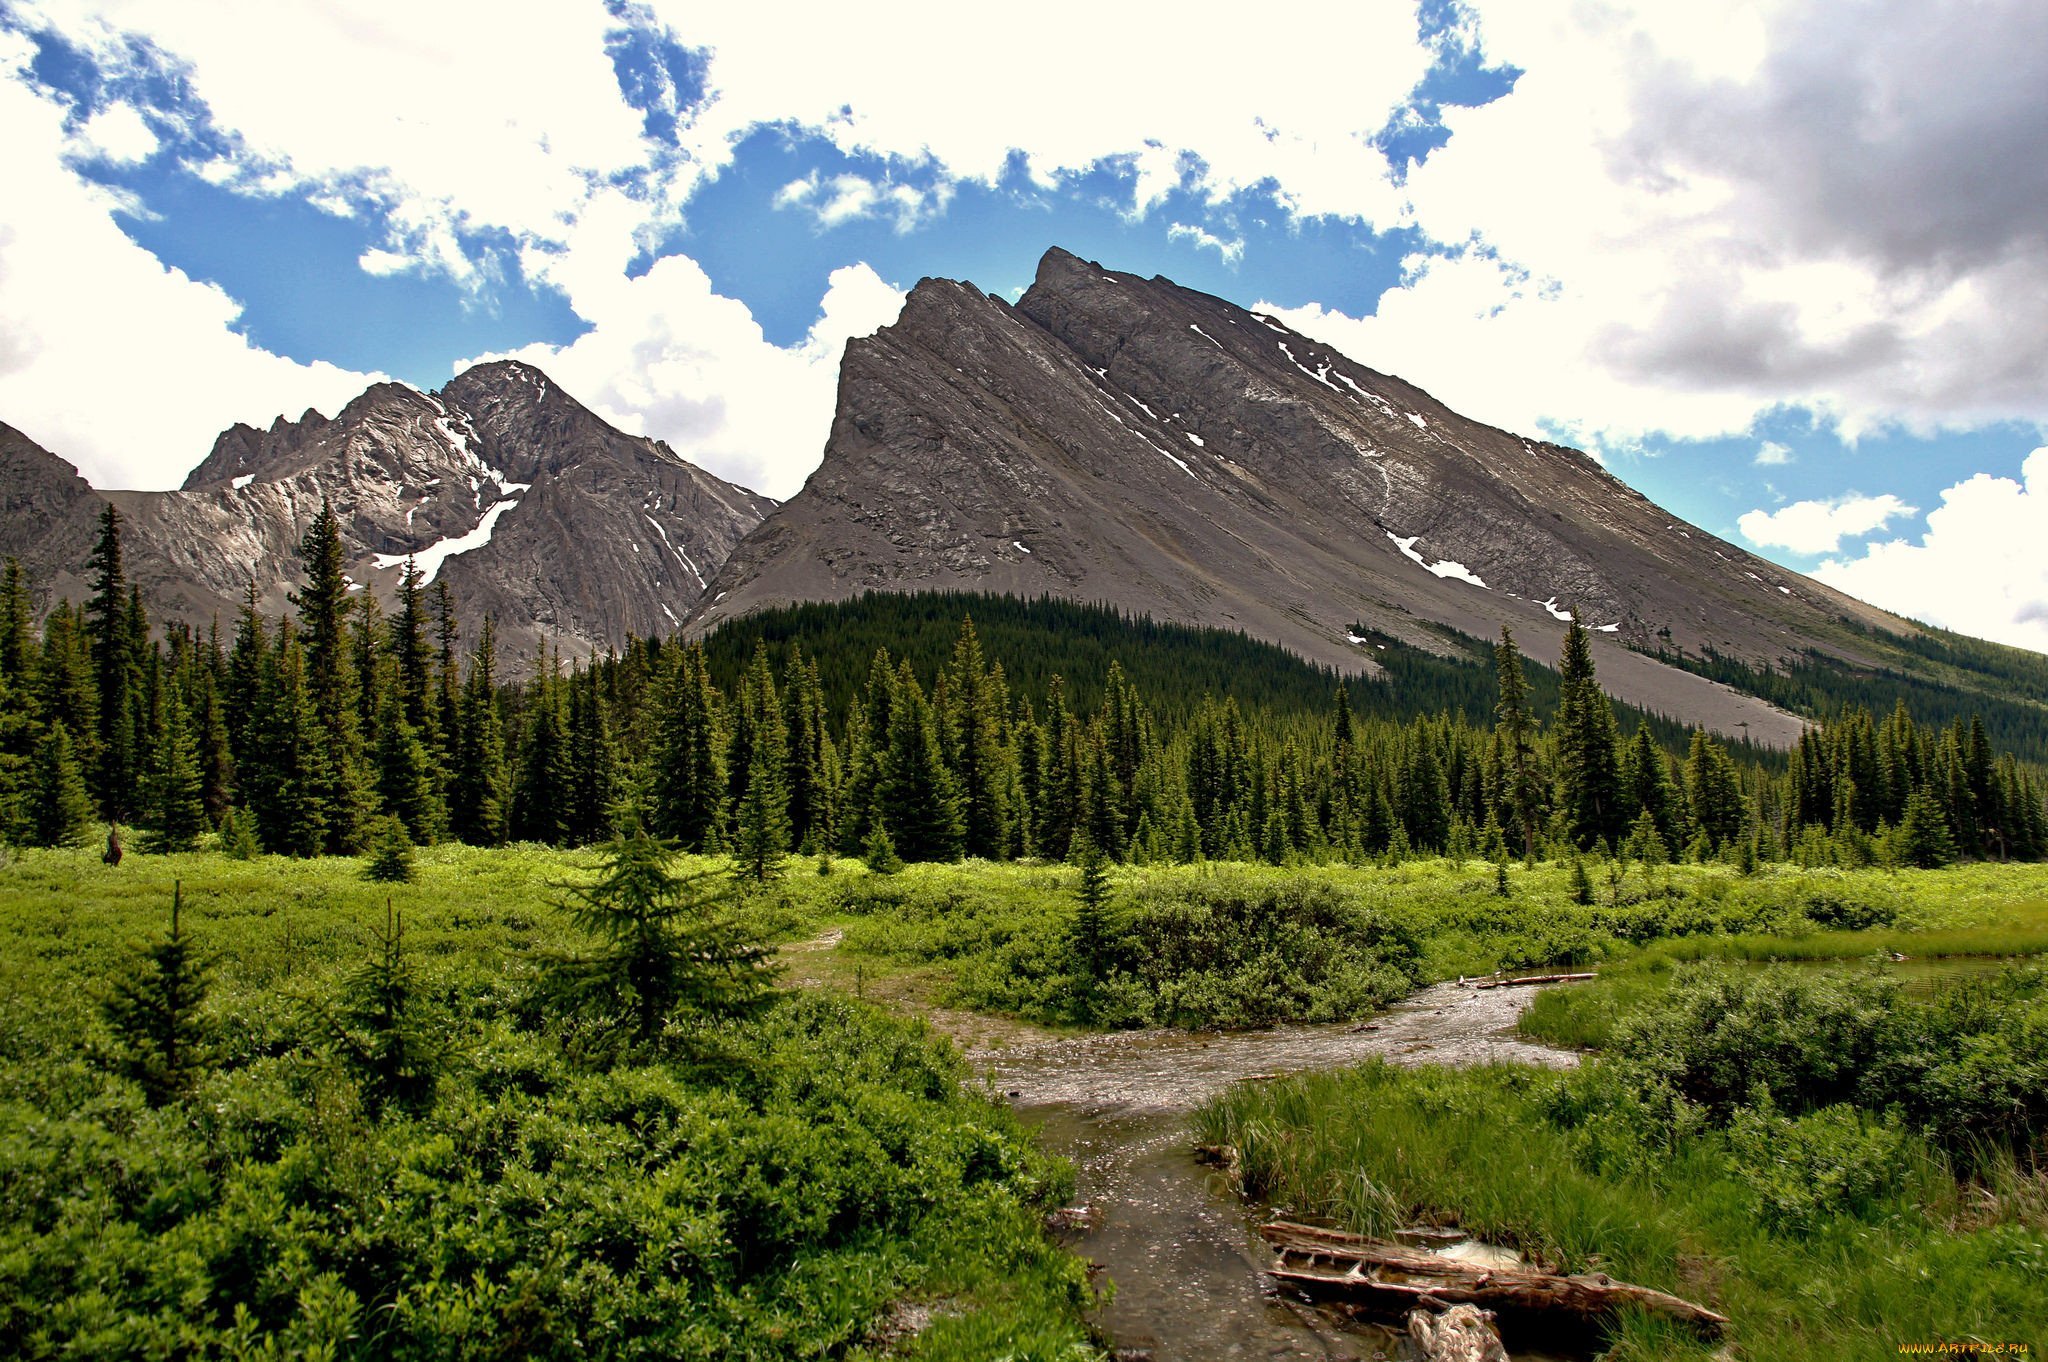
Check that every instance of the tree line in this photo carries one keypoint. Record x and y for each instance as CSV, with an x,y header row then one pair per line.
x,y
307,734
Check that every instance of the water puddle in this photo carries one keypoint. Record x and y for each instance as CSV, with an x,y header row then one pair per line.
x,y
1178,1243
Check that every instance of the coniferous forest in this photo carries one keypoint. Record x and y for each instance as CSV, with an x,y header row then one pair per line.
x,y
949,727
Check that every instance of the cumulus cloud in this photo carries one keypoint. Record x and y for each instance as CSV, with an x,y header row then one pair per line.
x,y
669,357
1978,568
1686,215
1297,104
1821,526
86,314
1771,454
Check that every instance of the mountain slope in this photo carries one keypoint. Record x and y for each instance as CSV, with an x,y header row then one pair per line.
x,y
1129,441
535,511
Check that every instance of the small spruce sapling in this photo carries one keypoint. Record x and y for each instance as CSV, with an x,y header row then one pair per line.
x,y
1091,930
880,851
380,1029
390,855
667,945
155,1012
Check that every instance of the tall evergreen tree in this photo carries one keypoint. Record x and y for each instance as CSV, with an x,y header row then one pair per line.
x,y
173,798
61,811
916,788
337,761
108,627
481,798
1713,791
689,761
982,765
593,775
540,798
761,825
1588,762
286,781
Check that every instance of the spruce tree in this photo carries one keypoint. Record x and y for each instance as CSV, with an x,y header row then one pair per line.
x,y
381,1028
916,788
155,1009
689,760
1089,938
593,773
761,829
335,765
540,798
880,850
982,765
286,780
406,778
481,793
666,945
1588,762
108,627
1713,791
1522,792
173,803
388,857
61,813
1923,838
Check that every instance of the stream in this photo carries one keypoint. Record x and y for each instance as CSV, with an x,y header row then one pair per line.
x,y
1177,1242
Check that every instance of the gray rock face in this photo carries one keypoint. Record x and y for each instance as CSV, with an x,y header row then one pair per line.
x,y
535,511
1124,440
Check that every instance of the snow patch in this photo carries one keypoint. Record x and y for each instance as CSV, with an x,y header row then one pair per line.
x,y
1555,613
1606,628
433,555
681,557
1357,638
1207,337
1194,439
1018,545
1785,590
1420,424
670,613
1446,568
244,481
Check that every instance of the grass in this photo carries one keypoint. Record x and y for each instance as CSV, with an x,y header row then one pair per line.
x,y
1376,1148
776,1188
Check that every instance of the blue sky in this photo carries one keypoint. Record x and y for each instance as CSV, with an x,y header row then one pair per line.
x,y
1782,266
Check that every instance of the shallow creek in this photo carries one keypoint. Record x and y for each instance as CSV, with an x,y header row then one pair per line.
x,y
1189,1271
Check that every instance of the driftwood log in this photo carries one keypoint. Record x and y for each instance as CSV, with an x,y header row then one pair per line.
x,y
1332,1265
1531,979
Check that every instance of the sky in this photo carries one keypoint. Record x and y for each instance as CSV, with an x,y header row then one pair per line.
x,y
1782,266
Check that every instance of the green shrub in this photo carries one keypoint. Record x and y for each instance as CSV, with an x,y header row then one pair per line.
x,y
1804,1171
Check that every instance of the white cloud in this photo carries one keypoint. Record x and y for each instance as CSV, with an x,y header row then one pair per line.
x,y
1686,215
1821,526
113,361
837,199
1231,248
117,134
443,120
1771,454
670,357
1296,100
1979,567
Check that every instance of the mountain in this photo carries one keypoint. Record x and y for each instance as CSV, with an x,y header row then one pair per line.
x,y
534,510
1128,441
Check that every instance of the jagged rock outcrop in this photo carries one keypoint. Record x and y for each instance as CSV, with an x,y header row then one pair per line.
x,y
1111,438
567,531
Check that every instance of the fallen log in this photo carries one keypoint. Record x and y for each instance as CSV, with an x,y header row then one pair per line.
x,y
1463,1333
1332,1265
1532,979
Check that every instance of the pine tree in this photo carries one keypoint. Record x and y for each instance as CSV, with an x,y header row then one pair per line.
x,y
1923,838
1522,792
388,857
982,766
540,799
62,812
916,788
406,778
1588,774
689,763
381,1029
173,803
155,1009
335,764
1713,791
1089,938
761,832
481,793
666,944
108,627
880,851
593,770
286,778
